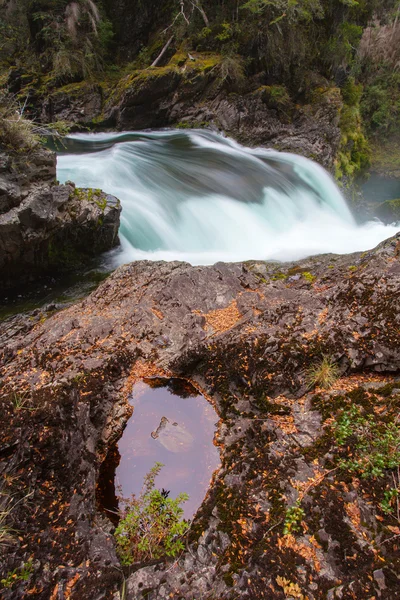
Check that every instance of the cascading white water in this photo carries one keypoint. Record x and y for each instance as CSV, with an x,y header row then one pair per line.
x,y
202,198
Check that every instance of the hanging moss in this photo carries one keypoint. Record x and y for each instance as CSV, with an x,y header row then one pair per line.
x,y
354,152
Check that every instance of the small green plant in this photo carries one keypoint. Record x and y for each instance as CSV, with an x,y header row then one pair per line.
x,y
376,445
293,518
20,401
151,525
390,503
21,574
323,373
226,32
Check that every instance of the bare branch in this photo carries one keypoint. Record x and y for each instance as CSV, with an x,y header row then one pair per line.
x,y
163,51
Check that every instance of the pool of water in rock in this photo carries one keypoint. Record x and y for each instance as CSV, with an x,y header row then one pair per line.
x,y
172,424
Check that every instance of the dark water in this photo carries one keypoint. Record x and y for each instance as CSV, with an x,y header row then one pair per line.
x,y
188,466
64,290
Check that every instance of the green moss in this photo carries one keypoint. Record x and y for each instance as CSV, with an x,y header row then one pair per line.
x,y
192,125
278,276
354,152
309,277
275,96
388,389
326,95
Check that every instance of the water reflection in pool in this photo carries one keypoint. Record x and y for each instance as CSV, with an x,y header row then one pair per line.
x,y
175,425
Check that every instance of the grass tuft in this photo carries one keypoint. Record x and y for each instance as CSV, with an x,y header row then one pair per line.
x,y
324,373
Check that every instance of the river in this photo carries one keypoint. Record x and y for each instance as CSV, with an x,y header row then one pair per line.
x,y
197,196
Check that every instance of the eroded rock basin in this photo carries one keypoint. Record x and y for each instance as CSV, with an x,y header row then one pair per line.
x,y
173,424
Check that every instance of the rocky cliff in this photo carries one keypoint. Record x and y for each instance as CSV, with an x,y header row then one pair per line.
x,y
46,228
191,92
295,510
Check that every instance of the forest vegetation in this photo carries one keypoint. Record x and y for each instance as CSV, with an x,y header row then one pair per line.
x,y
297,43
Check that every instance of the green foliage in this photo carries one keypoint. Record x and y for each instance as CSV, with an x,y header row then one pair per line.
x,y
71,37
380,106
17,575
342,45
376,445
308,276
324,373
293,518
151,525
390,502
226,32
352,92
292,10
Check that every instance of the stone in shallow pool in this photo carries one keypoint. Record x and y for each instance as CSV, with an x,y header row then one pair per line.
x,y
172,436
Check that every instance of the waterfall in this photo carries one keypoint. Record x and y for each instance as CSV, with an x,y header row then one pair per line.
x,y
196,196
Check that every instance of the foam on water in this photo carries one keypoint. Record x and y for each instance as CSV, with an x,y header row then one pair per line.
x,y
202,198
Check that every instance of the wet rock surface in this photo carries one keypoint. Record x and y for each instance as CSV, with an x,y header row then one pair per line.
x,y
244,334
46,228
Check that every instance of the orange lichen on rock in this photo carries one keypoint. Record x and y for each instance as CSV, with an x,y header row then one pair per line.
x,y
70,585
157,313
140,371
285,423
223,319
306,550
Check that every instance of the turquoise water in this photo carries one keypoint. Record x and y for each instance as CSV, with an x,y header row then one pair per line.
x,y
199,197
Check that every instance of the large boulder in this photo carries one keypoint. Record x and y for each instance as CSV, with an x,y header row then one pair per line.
x,y
46,228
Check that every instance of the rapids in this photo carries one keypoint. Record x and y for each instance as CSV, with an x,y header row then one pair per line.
x,y
199,197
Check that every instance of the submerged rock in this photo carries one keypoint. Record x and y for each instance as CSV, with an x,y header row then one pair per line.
x,y
46,228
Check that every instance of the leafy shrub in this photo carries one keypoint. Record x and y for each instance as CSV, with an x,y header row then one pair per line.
x,y
376,445
324,373
151,525
380,105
